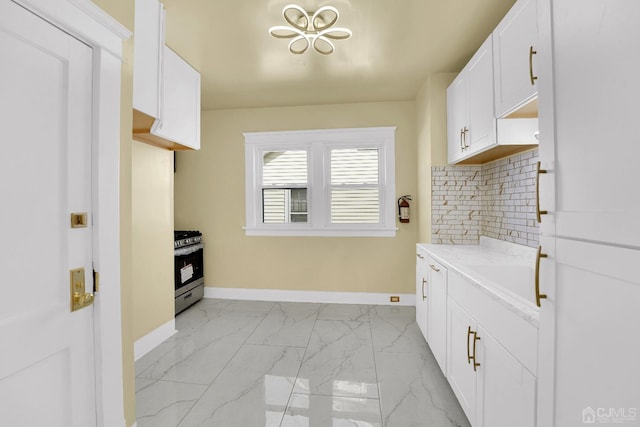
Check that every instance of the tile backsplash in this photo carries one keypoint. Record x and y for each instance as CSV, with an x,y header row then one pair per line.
x,y
496,200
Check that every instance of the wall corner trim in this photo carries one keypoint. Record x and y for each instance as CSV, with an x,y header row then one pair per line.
x,y
326,297
153,339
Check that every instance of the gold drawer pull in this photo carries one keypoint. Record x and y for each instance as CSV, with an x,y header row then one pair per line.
x,y
468,347
471,357
531,76
475,339
538,211
539,296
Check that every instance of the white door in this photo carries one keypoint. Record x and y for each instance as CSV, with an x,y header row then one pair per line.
x,y
47,375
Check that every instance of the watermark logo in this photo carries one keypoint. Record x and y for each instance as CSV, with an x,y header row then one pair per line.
x,y
609,415
588,415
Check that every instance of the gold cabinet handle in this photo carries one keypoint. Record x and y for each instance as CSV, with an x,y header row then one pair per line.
x,y
468,346
538,211
539,296
424,282
531,76
470,356
475,339
434,268
464,133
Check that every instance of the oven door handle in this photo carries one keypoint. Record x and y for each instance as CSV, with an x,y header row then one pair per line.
x,y
188,250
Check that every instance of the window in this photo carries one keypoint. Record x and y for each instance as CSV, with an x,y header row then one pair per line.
x,y
284,186
337,182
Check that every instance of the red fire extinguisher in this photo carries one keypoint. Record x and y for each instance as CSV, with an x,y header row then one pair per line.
x,y
403,208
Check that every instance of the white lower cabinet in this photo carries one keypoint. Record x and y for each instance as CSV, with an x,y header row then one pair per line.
x,y
437,313
493,387
431,305
422,303
506,390
488,351
460,372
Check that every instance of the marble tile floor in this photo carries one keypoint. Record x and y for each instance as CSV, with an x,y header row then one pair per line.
x,y
269,364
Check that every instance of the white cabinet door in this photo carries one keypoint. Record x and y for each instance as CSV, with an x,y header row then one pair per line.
x,y
460,372
514,44
481,122
470,107
438,313
506,390
147,56
47,365
596,64
588,103
422,302
456,117
180,110
597,319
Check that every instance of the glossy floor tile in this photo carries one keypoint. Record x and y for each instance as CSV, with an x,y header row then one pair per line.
x,y
255,363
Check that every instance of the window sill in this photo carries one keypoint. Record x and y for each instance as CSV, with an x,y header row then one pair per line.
x,y
320,232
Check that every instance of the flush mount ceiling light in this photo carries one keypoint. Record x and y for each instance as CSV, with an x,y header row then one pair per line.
x,y
310,29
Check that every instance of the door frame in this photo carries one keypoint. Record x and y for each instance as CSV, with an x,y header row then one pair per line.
x,y
85,21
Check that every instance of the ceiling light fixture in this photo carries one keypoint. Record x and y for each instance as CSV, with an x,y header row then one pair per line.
x,y
310,29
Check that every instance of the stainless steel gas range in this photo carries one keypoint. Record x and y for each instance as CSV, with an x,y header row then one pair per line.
x,y
189,268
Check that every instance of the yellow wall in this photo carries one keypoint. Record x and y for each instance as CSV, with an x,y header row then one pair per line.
x,y
210,197
152,238
431,131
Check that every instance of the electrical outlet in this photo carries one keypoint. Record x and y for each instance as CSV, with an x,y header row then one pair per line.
x,y
394,299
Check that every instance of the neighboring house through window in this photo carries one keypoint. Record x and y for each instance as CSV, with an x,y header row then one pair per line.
x,y
334,182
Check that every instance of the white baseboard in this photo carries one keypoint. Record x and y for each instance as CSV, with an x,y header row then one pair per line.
x,y
154,338
308,296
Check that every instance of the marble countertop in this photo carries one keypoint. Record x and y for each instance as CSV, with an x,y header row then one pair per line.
x,y
503,270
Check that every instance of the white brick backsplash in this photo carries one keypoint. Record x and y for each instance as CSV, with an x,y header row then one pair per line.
x,y
496,200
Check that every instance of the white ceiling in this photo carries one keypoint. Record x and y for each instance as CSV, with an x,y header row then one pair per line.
x,y
394,47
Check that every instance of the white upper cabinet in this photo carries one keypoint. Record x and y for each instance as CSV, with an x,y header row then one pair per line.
x,y
180,110
514,54
456,117
498,82
481,123
474,134
147,56
166,90
470,106
596,63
